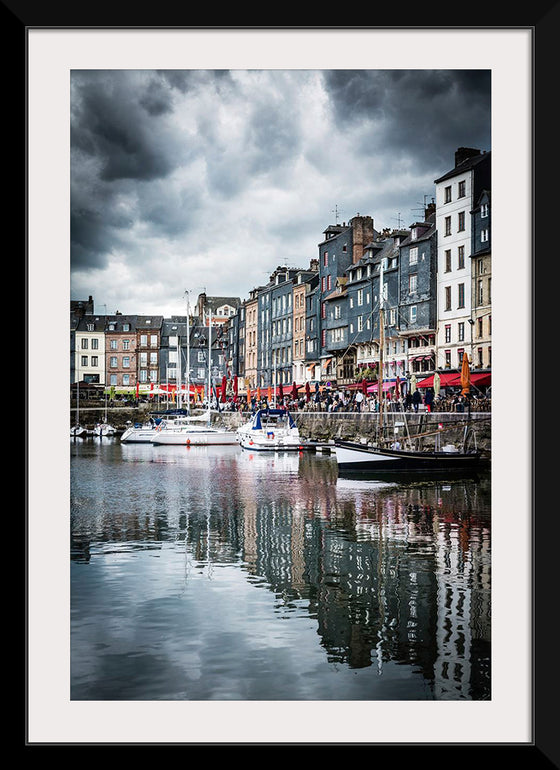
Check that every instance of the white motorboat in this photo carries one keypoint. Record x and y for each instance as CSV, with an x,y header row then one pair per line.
x,y
77,430
143,433
270,429
189,431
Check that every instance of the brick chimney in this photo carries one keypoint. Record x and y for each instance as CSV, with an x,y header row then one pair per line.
x,y
362,234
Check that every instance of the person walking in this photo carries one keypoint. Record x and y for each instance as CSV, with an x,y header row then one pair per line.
x,y
429,399
359,399
416,400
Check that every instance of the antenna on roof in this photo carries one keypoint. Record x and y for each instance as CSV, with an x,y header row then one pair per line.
x,y
399,220
422,211
336,213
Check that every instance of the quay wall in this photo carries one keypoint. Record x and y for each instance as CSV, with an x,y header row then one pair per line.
x,y
324,427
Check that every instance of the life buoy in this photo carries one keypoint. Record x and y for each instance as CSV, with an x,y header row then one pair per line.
x,y
188,442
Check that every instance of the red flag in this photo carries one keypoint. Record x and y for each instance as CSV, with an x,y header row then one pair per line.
x,y
224,384
137,388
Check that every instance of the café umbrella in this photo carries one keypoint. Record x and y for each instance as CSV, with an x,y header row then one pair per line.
x,y
465,376
307,391
437,383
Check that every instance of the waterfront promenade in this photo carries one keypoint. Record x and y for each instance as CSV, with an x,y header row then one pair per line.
x,y
322,426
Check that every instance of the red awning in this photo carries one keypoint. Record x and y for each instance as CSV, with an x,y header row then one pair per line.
x,y
447,379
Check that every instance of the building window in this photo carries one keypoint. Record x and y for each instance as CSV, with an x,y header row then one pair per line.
x,y
360,323
484,236
325,259
461,189
113,344
113,379
479,328
95,344
153,340
323,310
461,297
413,314
447,358
461,331
413,256
143,340
126,344
392,316
461,257
323,337
328,282
412,283
126,327
480,292
484,211
113,362
448,333
480,357
84,343
126,379
448,225
126,362
460,354
448,260
84,360
95,361
360,297
337,311
461,221
447,195
448,297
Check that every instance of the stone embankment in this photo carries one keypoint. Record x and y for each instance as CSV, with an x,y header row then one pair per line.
x,y
324,427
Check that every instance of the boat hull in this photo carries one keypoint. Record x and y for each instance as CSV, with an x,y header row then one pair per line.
x,y
195,438
360,459
138,435
267,444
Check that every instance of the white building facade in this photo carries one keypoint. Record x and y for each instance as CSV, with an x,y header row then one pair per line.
x,y
456,194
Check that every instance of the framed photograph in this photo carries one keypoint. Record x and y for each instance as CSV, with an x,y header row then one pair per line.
x,y
306,101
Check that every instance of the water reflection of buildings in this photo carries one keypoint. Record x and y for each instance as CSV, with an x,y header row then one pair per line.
x,y
401,576
398,575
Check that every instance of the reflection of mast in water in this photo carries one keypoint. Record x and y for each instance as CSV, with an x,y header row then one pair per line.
x,y
381,597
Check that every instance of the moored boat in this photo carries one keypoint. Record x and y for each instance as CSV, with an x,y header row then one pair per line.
x,y
104,429
270,429
143,433
359,458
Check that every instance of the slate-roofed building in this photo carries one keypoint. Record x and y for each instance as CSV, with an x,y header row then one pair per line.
x,y
120,351
417,321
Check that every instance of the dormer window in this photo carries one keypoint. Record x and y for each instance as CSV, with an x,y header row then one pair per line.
x,y
414,233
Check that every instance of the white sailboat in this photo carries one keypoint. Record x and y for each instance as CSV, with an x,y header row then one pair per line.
x,y
190,431
104,428
77,429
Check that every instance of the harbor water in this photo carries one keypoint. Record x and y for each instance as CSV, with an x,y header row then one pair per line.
x,y
218,574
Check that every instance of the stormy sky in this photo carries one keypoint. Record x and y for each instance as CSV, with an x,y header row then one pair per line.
x,y
207,180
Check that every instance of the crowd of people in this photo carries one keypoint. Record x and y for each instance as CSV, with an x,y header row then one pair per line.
x,y
344,400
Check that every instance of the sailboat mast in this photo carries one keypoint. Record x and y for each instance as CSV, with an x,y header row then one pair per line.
x,y
380,392
187,377
209,358
178,367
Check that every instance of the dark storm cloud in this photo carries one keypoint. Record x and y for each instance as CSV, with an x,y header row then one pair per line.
x,y
113,120
421,113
